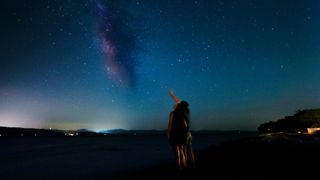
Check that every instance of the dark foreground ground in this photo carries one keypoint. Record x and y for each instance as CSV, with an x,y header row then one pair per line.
x,y
228,156
272,156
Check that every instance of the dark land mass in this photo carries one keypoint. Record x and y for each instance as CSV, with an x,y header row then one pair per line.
x,y
300,121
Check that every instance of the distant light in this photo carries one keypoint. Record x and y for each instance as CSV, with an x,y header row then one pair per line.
x,y
50,128
77,134
35,134
21,134
0,135
313,130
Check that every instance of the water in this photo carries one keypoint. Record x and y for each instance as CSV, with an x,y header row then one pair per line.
x,y
91,157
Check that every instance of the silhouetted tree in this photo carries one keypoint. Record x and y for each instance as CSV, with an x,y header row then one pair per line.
x,y
300,121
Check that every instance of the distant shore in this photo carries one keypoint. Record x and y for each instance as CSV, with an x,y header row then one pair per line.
x,y
34,132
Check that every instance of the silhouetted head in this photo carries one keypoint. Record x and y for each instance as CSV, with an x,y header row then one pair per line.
x,y
184,104
181,105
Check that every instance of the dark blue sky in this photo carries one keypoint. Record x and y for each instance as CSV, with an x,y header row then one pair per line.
x,y
93,64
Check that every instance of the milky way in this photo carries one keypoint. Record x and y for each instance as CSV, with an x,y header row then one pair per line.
x,y
118,45
101,64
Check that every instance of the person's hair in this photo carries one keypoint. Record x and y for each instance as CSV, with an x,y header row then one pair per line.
x,y
184,105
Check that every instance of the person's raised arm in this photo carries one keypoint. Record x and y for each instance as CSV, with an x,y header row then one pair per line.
x,y
175,98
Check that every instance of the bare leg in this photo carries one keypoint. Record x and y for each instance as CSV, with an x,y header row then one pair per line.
x,y
183,161
190,155
189,151
177,154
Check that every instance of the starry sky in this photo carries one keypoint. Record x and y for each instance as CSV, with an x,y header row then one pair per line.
x,y
95,64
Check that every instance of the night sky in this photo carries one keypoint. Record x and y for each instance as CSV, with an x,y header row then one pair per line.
x,y
71,64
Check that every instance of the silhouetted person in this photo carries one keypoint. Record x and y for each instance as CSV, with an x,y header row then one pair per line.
x,y
179,134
